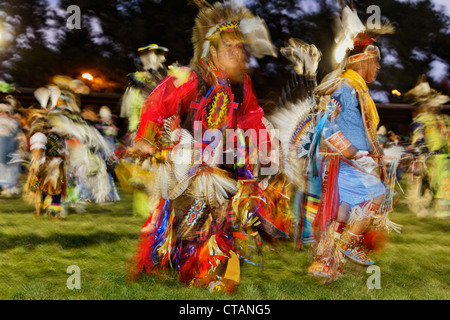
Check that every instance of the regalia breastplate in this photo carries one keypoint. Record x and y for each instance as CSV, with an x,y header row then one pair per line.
x,y
215,110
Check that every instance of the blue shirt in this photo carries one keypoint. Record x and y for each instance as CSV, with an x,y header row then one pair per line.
x,y
349,120
355,187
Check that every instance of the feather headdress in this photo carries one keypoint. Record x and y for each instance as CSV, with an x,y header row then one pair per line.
x,y
62,93
354,42
354,39
216,18
423,95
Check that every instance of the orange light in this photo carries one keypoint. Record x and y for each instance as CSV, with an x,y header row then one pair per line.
x,y
87,76
396,92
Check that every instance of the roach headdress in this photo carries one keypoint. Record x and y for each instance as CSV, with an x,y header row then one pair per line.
x,y
213,19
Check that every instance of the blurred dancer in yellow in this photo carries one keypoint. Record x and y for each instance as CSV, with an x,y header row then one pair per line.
x,y
430,172
130,169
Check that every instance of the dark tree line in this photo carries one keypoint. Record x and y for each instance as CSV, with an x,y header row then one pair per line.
x,y
29,59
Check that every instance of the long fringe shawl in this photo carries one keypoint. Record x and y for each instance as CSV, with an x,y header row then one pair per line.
x,y
156,248
329,202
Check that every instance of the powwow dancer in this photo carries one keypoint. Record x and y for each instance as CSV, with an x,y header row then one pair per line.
x,y
130,169
211,210
142,83
64,147
430,143
342,193
12,146
110,133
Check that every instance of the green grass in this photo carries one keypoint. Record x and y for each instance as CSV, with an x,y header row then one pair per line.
x,y
35,255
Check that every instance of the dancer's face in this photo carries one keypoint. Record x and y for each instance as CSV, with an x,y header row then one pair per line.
x,y
367,69
370,69
229,54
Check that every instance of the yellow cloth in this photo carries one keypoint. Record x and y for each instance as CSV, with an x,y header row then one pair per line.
x,y
360,86
233,271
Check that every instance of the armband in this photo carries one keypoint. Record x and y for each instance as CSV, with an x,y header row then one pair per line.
x,y
338,142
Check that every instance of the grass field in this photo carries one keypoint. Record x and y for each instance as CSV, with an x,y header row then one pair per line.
x,y
35,255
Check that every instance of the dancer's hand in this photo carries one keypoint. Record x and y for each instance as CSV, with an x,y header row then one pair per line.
x,y
144,148
367,163
151,227
350,152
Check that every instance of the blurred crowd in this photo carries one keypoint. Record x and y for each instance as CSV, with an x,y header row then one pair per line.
x,y
424,165
56,153
423,168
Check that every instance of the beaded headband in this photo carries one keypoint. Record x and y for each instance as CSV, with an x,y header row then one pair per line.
x,y
369,52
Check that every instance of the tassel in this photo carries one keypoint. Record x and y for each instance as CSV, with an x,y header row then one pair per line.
x,y
329,201
163,225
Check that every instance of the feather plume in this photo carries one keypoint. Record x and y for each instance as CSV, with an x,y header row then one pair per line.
x,y
257,36
182,155
180,187
55,93
305,57
89,170
212,184
295,117
423,94
345,30
42,95
295,123
80,130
